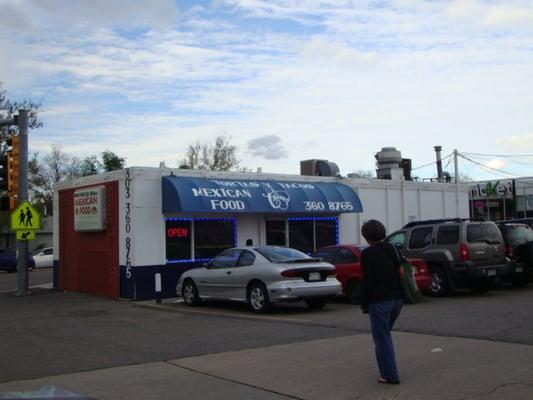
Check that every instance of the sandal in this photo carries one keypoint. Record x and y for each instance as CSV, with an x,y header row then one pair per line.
x,y
383,380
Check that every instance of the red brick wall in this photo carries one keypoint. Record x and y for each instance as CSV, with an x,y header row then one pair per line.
x,y
89,261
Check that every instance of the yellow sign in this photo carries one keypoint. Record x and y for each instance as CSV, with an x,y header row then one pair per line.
x,y
25,218
25,235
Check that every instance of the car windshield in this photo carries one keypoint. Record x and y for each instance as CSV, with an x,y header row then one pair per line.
x,y
518,234
277,254
487,233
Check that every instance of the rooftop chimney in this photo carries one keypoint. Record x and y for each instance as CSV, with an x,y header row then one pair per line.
x,y
439,163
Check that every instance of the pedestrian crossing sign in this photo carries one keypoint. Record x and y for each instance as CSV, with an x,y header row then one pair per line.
x,y
25,217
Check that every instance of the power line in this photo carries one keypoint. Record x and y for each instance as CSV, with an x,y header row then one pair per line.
x,y
432,163
500,155
487,167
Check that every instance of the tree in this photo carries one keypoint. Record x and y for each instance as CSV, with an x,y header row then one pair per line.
x,y
11,107
90,166
363,173
111,161
219,155
54,167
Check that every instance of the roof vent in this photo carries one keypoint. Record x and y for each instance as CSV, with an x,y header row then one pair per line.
x,y
389,164
318,168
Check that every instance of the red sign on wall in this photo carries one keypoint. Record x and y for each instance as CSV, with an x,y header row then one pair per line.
x,y
178,232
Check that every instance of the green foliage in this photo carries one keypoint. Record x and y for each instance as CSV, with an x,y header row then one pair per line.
x,y
111,161
220,155
13,106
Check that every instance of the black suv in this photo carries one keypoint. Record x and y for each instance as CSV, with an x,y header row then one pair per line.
x,y
518,239
460,253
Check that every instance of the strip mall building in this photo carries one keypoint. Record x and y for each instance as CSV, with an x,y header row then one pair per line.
x,y
114,231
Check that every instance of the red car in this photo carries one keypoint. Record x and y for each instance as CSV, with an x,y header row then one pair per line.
x,y
346,259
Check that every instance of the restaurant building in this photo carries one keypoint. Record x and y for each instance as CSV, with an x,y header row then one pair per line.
x,y
114,231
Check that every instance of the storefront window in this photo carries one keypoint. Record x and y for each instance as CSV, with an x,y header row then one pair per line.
x,y
198,239
212,236
275,232
326,232
178,239
310,234
301,235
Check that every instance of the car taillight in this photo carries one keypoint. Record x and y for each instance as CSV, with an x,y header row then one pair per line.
x,y
331,272
509,250
289,273
463,252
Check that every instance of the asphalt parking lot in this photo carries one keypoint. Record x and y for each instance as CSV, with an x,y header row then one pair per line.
x,y
54,337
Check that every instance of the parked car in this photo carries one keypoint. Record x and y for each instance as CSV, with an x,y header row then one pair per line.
x,y
44,258
460,253
518,239
261,276
347,261
9,259
527,221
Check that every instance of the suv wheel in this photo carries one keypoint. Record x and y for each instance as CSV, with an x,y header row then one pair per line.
x,y
439,281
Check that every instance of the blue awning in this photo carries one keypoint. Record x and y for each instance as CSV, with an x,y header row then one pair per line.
x,y
187,194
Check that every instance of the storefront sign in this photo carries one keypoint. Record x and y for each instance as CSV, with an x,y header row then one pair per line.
x,y
186,194
492,189
89,209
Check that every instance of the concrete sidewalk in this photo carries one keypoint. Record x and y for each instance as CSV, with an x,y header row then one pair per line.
x,y
431,367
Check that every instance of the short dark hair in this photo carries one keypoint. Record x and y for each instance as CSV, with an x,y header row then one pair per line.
x,y
373,230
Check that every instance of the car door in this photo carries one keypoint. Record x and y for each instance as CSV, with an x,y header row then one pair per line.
x,y
419,241
347,265
241,274
46,258
217,281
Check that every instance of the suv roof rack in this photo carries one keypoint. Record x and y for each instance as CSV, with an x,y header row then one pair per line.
x,y
440,221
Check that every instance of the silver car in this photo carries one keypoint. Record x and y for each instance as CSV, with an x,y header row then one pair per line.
x,y
261,276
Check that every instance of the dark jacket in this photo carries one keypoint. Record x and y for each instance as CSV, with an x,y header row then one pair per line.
x,y
381,276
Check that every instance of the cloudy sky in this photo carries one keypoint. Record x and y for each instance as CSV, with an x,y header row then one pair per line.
x,y
288,80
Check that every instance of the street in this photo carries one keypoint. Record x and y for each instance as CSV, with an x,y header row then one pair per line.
x,y
51,333
8,281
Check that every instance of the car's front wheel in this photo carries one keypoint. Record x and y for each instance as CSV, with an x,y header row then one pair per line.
x,y
316,302
439,282
189,292
258,299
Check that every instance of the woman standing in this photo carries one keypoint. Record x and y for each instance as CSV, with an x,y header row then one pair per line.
x,y
381,296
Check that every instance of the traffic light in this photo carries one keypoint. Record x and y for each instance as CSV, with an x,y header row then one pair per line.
x,y
13,167
3,171
4,197
13,172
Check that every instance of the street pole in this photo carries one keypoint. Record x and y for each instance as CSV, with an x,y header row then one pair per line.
x,y
22,264
456,165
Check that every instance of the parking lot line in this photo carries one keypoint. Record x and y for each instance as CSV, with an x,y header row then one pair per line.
x,y
170,308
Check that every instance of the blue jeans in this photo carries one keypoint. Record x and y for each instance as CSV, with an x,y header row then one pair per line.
x,y
382,317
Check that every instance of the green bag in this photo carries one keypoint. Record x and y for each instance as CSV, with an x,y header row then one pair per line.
x,y
411,291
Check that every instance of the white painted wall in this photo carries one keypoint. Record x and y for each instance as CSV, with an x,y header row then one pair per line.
x,y
392,202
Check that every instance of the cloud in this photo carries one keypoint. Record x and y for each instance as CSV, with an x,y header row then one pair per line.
x,y
496,163
60,15
268,146
518,143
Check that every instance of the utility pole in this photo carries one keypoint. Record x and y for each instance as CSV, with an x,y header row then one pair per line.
x,y
21,120
456,165
22,265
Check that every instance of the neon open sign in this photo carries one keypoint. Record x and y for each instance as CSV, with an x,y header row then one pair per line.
x,y
178,232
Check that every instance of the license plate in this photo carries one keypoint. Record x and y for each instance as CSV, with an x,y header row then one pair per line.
x,y
314,276
491,272
519,269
